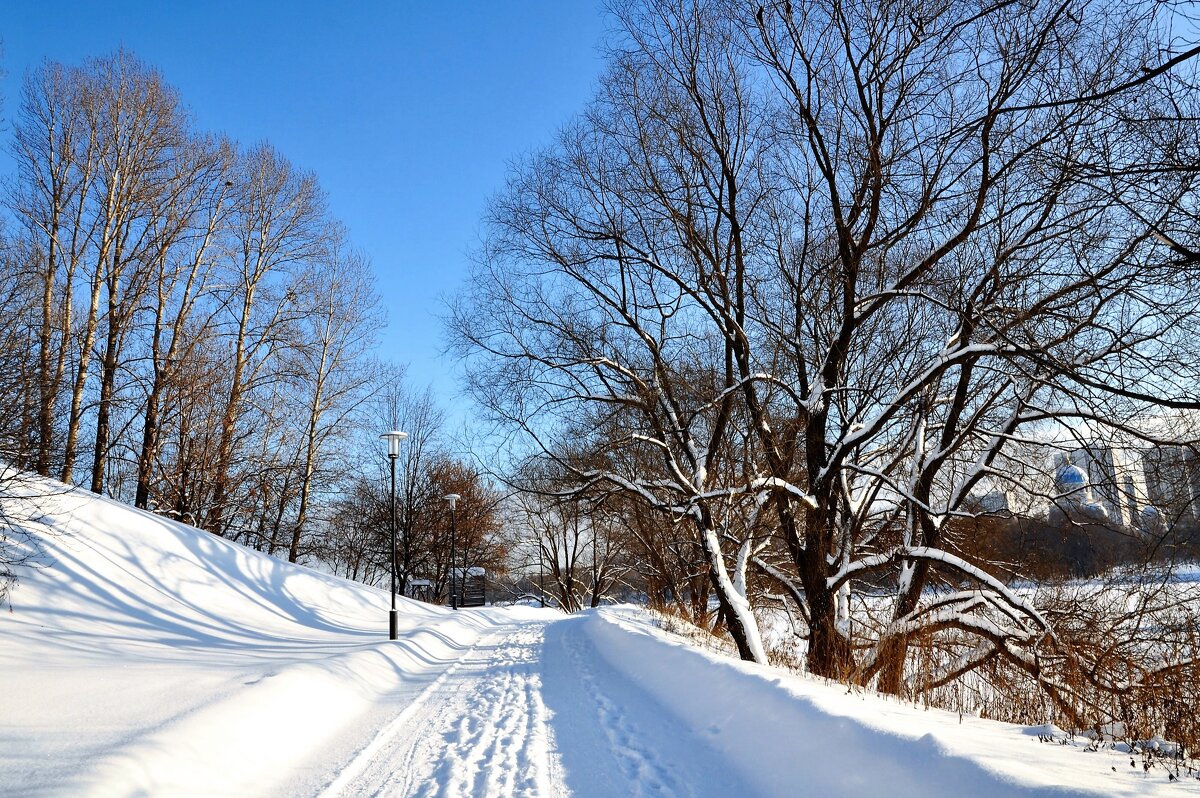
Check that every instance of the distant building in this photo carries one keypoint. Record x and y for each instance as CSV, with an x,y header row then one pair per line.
x,y
1172,475
1126,488
1074,498
1144,489
996,502
471,586
420,589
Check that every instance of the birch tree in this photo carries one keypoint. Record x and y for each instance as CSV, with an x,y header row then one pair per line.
x,y
56,157
184,258
278,225
337,329
140,122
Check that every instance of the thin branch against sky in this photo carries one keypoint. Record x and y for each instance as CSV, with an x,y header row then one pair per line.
x,y
407,112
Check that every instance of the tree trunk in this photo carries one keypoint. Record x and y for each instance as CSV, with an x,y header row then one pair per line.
x,y
829,652
108,375
740,621
216,515
149,448
305,483
70,450
48,387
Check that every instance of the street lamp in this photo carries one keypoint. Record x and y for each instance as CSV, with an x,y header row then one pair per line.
x,y
393,439
541,581
453,499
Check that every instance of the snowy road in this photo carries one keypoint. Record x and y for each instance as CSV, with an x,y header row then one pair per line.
x,y
531,710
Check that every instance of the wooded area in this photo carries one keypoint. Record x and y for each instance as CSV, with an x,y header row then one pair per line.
x,y
791,325
188,328
806,279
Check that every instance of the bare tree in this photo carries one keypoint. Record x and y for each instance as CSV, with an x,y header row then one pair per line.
x,y
557,530
804,275
141,123
183,261
56,158
984,253
419,416
338,323
278,226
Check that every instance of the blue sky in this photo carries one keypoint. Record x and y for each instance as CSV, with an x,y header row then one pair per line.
x,y
408,112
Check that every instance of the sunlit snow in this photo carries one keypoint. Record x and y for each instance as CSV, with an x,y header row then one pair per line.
x,y
147,657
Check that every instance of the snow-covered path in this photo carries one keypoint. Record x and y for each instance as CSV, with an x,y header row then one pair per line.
x,y
148,658
616,738
478,729
532,710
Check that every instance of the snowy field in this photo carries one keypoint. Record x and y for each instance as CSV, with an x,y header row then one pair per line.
x,y
149,658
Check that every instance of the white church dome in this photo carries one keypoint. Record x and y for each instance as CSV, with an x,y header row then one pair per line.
x,y
1070,477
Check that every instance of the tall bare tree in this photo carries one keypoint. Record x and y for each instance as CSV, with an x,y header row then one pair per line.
x,y
337,328
183,261
141,122
279,225
803,274
56,157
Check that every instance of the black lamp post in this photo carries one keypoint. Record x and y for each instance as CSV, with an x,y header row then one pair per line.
x,y
541,583
453,499
393,439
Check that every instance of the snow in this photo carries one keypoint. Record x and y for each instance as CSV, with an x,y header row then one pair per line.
x,y
147,657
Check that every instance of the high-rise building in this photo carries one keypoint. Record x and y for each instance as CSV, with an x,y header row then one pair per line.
x,y
1172,475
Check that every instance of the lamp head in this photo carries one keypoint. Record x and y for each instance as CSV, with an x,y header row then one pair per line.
x,y
452,498
393,439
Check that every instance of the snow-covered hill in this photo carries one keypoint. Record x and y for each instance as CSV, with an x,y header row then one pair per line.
x,y
149,658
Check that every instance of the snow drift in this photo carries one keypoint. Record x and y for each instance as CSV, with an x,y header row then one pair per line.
x,y
145,656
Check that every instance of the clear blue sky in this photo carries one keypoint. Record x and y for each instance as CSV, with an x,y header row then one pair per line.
x,y
407,111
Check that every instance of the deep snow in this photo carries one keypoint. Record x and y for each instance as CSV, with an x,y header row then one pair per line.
x,y
147,657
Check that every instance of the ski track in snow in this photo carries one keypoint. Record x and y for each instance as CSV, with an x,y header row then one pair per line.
x,y
483,728
389,738
479,729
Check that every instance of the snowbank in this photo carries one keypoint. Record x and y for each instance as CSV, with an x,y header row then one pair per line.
x,y
148,657
793,735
